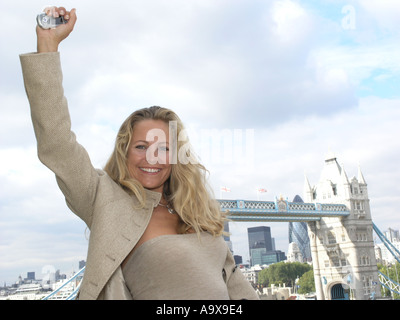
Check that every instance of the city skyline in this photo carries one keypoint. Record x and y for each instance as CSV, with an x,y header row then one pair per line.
x,y
305,77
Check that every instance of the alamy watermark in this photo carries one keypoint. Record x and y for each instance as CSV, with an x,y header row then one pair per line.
x,y
216,146
349,19
48,276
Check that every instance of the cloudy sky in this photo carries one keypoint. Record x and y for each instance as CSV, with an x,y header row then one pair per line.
x,y
288,80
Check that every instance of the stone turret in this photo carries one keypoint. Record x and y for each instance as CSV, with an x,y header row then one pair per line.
x,y
342,248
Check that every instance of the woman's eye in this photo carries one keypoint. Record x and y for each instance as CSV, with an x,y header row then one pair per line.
x,y
164,149
141,147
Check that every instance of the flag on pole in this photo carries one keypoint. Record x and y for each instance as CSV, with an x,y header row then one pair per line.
x,y
223,189
260,190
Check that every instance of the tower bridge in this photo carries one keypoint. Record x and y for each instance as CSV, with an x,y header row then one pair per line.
x,y
340,229
281,210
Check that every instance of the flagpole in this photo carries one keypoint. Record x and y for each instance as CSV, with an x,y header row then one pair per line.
x,y
260,190
223,189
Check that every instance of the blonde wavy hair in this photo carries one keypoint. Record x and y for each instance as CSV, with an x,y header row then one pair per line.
x,y
186,189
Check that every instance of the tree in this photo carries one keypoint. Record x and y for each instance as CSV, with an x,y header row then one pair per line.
x,y
282,273
306,282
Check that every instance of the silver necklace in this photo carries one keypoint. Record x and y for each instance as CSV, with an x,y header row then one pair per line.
x,y
169,208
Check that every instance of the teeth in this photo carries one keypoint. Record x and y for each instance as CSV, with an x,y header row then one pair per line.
x,y
150,170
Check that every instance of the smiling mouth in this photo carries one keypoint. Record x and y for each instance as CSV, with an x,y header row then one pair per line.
x,y
150,170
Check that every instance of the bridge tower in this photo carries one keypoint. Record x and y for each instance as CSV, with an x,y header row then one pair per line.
x,y
342,247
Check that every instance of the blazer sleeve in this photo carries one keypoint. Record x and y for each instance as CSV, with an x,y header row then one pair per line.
x,y
239,288
56,143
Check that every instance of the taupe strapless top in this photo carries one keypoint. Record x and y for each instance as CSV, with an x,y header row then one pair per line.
x,y
178,267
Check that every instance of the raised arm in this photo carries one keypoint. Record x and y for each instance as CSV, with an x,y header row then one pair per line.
x,y
57,145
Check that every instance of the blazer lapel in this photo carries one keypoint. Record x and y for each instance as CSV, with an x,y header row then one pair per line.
x,y
116,229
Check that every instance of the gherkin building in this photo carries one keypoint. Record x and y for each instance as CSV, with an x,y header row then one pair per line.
x,y
298,233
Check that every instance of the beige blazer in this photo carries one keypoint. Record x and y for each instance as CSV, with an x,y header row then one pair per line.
x,y
112,215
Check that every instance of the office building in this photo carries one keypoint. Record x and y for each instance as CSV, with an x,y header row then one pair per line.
x,y
261,247
298,234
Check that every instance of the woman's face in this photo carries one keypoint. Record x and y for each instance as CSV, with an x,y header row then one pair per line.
x,y
148,154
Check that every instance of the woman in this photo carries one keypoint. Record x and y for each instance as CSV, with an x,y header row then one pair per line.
x,y
155,231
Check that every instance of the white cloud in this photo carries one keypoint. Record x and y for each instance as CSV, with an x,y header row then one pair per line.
x,y
213,62
385,13
358,62
292,22
15,121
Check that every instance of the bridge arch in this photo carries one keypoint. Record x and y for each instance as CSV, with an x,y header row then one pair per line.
x,y
338,290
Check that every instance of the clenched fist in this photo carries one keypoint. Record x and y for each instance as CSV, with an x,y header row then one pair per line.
x,y
48,40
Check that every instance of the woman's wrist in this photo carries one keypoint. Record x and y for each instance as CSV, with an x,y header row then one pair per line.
x,y
43,47
46,42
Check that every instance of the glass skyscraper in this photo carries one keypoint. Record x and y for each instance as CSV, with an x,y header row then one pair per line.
x,y
298,233
261,248
260,237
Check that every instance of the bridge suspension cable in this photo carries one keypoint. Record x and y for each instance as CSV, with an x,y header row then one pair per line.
x,y
72,296
389,283
383,279
392,249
